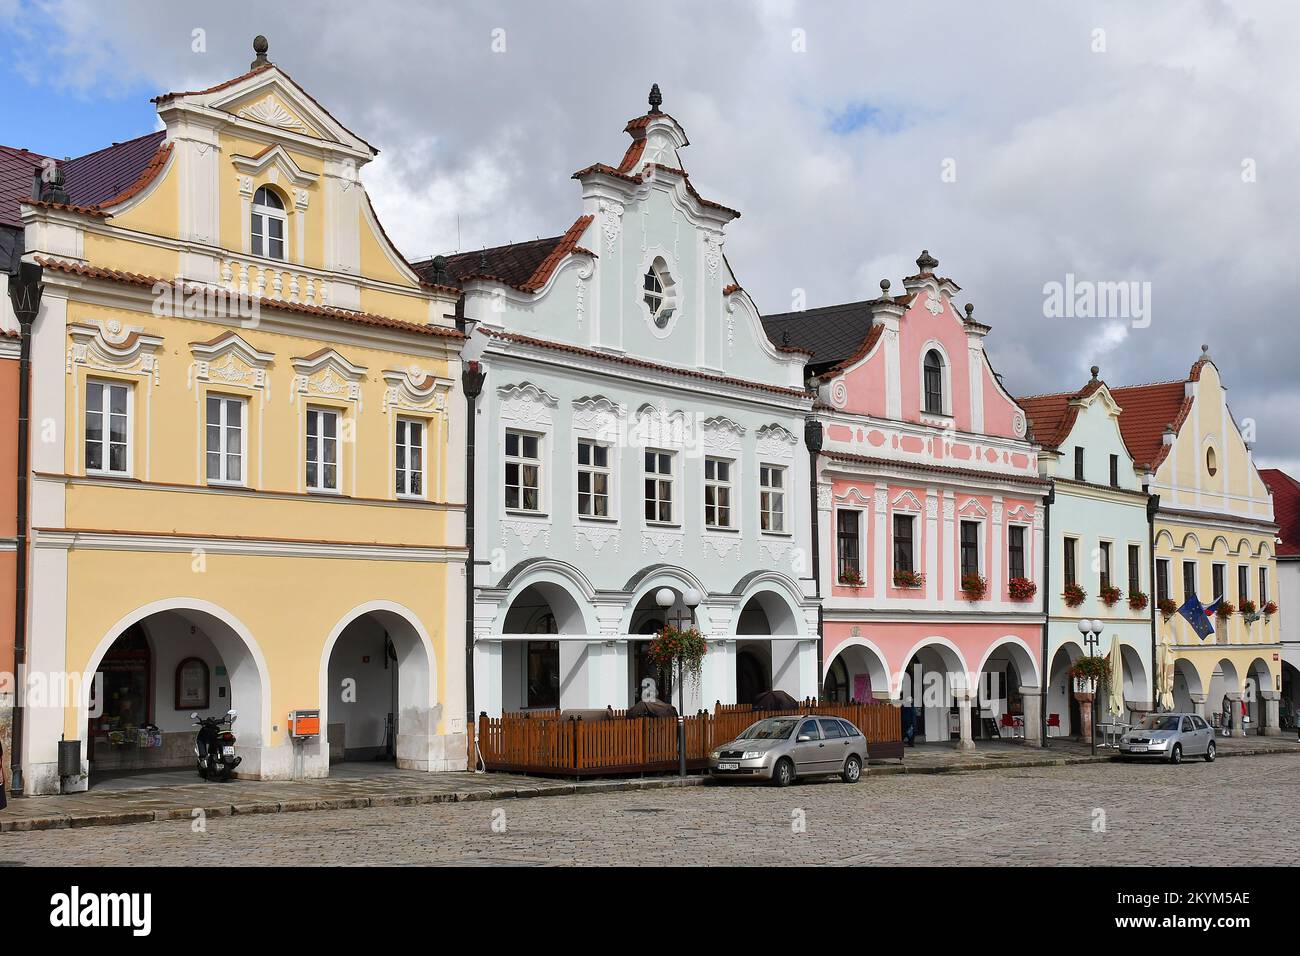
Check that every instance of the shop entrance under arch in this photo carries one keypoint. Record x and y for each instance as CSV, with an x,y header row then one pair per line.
x,y
149,678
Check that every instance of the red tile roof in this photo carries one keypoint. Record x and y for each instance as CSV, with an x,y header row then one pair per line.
x,y
521,265
1052,416
1147,411
1286,509
604,169
103,178
360,318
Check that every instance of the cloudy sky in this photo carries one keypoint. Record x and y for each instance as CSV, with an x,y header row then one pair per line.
x,y
1020,142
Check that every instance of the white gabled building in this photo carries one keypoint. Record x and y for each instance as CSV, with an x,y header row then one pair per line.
x,y
636,431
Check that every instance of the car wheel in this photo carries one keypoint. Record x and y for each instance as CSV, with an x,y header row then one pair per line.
x,y
783,772
1176,755
852,769
1210,753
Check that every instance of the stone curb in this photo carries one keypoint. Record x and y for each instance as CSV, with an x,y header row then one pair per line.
x,y
62,821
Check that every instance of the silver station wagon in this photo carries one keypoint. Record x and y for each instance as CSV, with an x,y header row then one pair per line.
x,y
781,749
1170,737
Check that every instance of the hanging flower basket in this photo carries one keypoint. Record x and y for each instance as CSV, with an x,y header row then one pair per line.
x,y
1110,595
1095,670
1074,595
1137,600
1247,607
1270,608
909,579
1022,589
851,578
673,646
973,586
1225,610
1168,607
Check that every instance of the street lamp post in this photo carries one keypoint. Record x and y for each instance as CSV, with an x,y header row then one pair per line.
x,y
1091,631
667,598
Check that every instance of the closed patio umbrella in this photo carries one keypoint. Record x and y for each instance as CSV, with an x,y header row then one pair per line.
x,y
1115,699
1166,676
775,700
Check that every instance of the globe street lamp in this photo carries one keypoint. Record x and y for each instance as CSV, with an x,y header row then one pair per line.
x,y
1091,630
666,598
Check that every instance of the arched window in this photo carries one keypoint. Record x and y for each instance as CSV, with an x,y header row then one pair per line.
x,y
933,382
268,224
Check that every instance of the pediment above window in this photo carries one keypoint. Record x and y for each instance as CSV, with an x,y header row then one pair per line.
x,y
328,374
112,346
229,359
526,402
275,165
415,389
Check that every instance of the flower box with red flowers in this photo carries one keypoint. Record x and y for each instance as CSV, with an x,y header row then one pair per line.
x,y
1137,600
1270,608
1110,595
1168,607
973,586
1225,609
909,579
1247,607
1022,589
1074,595
850,577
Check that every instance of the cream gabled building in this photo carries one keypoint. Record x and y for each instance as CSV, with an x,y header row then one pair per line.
x,y
248,483
1215,537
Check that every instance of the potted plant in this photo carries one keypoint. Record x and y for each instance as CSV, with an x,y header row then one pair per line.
x,y
1247,607
974,586
1110,595
1137,600
851,577
1074,594
1270,609
1225,610
1092,673
684,649
1022,589
1168,607
908,579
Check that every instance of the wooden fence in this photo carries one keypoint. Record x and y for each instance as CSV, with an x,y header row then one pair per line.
x,y
548,743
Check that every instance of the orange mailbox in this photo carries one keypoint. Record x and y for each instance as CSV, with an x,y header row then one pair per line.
x,y
304,723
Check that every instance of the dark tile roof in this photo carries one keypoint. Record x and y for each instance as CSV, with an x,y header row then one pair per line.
x,y
521,265
90,180
831,333
1286,509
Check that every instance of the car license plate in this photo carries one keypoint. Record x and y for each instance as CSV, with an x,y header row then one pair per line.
x,y
227,751
728,766
1137,748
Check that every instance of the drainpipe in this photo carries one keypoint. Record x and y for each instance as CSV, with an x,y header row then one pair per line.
x,y
1048,500
1153,505
471,378
812,437
25,290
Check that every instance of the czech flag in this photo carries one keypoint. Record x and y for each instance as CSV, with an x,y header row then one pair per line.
x,y
1198,615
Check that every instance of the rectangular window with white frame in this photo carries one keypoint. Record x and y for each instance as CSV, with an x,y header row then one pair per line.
x,y
718,489
771,498
660,479
1263,587
225,435
322,449
904,556
970,547
108,428
1162,579
595,480
1243,583
409,458
523,472
1016,550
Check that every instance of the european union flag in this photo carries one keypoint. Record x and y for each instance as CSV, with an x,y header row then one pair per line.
x,y
1198,615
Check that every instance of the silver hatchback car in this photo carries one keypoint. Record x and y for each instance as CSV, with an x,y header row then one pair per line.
x,y
783,748
1170,737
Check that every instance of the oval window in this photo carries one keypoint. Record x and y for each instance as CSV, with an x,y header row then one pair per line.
x,y
1211,462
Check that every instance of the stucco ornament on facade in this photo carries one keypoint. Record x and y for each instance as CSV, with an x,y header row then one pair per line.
x,y
611,214
272,113
722,434
526,402
112,347
414,389
775,441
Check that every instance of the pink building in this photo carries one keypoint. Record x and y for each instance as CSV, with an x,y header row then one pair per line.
x,y
931,513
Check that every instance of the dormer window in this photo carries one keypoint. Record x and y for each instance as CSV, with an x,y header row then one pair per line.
x,y
268,224
933,383
658,294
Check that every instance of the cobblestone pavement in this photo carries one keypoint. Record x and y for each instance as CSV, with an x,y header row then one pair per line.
x,y
1231,812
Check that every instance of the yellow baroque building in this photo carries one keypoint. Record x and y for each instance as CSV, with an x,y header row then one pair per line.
x,y
1214,537
248,453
